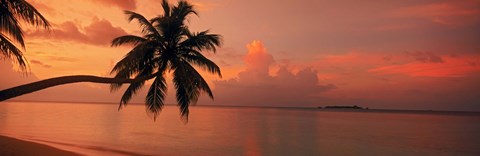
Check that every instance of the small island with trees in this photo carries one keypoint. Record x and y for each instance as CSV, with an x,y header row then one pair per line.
x,y
342,107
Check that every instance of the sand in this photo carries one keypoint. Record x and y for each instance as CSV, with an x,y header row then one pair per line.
x,y
14,147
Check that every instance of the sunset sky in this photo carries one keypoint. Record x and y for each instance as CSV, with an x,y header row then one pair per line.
x,y
407,54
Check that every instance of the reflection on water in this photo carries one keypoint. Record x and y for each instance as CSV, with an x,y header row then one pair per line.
x,y
240,131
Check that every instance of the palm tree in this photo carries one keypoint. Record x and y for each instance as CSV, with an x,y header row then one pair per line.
x,y
11,12
166,46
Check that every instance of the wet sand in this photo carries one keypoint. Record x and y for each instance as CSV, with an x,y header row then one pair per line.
x,y
11,147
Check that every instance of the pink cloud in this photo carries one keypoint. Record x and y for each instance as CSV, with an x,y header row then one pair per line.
x,y
99,32
426,57
36,62
43,8
254,86
333,67
403,80
457,12
450,67
257,60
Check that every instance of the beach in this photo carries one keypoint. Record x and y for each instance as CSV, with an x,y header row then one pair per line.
x,y
11,146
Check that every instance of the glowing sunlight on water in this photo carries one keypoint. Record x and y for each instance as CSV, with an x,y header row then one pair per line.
x,y
100,128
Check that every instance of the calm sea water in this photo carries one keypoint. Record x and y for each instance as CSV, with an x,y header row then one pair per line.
x,y
99,129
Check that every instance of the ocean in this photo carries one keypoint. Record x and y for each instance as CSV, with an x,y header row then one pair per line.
x,y
99,129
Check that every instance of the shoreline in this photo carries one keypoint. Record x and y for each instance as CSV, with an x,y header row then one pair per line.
x,y
13,146
33,147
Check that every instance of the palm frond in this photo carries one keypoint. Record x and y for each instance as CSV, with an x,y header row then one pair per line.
x,y
182,83
138,59
197,80
10,51
150,36
134,87
9,25
122,74
156,95
166,8
28,13
202,41
10,10
147,27
182,10
196,58
135,58
127,39
131,90
161,23
188,83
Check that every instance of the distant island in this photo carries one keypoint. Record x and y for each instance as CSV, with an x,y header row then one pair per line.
x,y
342,107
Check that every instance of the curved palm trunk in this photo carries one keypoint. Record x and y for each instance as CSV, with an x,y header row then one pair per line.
x,y
43,84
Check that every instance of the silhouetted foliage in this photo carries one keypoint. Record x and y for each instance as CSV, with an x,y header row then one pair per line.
x,y
11,13
166,46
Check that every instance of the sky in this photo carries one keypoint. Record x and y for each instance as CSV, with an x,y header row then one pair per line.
x,y
381,54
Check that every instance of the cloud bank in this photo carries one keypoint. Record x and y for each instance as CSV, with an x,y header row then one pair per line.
x,y
256,87
99,32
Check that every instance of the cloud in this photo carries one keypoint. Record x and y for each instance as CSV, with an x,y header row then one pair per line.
x,y
427,93
43,8
226,57
61,58
426,57
457,66
255,87
40,63
122,4
99,32
257,60
413,64
457,12
398,80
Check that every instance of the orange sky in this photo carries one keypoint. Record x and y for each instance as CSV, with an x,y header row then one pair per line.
x,y
380,54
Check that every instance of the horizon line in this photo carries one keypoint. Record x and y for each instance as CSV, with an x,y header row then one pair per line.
x,y
278,107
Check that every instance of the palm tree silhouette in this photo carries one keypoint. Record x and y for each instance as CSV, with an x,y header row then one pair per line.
x,y
11,12
167,45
